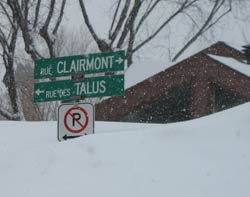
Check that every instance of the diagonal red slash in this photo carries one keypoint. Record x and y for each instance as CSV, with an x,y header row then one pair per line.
x,y
76,120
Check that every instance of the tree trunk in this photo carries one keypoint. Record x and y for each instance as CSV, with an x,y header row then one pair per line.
x,y
10,83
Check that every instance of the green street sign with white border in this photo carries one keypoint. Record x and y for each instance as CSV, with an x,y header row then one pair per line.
x,y
87,64
112,85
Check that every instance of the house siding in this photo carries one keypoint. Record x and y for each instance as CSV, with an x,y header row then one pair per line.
x,y
200,71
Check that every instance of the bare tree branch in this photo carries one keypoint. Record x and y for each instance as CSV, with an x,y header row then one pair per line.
x,y
207,25
44,30
49,16
6,13
59,20
114,18
125,28
3,39
183,6
130,45
13,40
130,21
37,13
26,9
103,46
18,15
217,20
146,14
8,41
121,21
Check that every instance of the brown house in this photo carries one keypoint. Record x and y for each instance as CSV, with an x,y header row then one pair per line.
x,y
197,86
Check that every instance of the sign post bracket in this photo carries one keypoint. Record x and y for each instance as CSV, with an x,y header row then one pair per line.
x,y
76,77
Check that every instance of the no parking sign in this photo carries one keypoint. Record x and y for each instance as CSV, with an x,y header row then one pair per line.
x,y
75,120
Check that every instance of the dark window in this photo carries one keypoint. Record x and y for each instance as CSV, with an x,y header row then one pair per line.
x,y
224,99
173,107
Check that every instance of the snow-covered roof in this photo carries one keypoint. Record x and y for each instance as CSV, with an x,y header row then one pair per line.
x,y
143,70
233,64
235,46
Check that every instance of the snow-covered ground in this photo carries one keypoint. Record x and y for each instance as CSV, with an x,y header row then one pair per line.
x,y
203,157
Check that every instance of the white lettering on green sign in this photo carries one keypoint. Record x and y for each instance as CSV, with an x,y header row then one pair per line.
x,y
46,71
87,88
49,94
83,65
91,87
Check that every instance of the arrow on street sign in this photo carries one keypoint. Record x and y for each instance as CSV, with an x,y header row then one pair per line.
x,y
87,88
38,92
119,60
87,64
65,137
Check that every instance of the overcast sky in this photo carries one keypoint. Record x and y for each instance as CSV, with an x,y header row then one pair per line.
x,y
229,29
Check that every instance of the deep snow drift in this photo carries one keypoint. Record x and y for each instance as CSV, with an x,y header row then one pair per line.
x,y
204,157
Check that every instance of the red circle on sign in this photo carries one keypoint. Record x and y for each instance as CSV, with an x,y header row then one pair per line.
x,y
82,126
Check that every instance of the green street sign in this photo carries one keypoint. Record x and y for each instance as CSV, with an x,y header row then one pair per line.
x,y
88,87
87,64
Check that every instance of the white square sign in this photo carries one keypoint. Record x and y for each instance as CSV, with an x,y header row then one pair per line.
x,y
75,120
